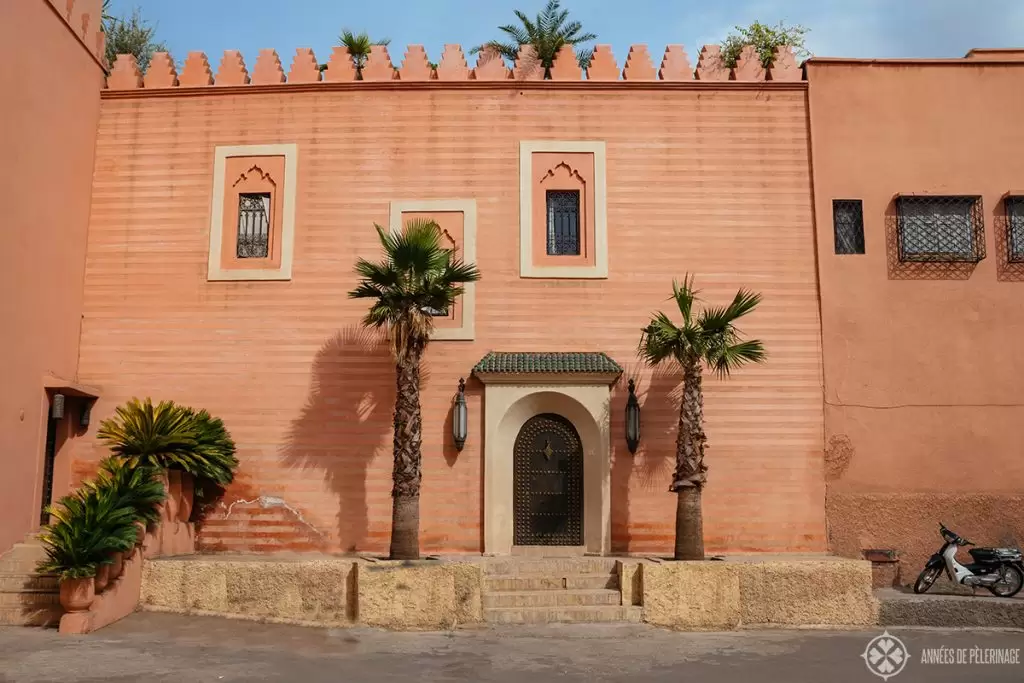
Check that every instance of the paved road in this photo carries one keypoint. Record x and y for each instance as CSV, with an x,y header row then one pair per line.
x,y
161,647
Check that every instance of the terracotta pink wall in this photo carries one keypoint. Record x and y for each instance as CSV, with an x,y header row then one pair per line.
x,y
48,116
923,380
711,179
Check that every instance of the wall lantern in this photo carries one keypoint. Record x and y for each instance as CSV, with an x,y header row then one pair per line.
x,y
57,407
632,419
460,417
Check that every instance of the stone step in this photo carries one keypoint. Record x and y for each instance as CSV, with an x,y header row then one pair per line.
x,y
551,615
552,598
552,566
514,582
18,566
15,583
36,598
30,616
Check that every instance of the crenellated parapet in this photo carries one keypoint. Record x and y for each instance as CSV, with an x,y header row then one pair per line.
x,y
84,18
640,66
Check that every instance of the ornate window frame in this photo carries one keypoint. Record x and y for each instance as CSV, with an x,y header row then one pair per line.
x,y
528,268
274,269
467,207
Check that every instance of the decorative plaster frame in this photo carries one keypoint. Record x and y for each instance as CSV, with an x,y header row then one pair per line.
x,y
290,152
585,401
527,268
467,331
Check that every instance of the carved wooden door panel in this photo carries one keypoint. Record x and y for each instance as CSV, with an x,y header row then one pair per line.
x,y
548,483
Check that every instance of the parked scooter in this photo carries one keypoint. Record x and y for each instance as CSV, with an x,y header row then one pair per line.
x,y
1001,570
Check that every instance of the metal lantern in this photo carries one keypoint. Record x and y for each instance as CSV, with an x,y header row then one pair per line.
x,y
460,417
57,408
632,419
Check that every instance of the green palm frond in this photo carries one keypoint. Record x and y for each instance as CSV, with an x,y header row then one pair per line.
x,y
709,337
215,450
547,33
359,45
416,276
88,526
727,357
170,436
144,434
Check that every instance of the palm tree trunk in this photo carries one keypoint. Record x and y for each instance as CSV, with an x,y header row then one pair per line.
x,y
689,525
408,440
691,472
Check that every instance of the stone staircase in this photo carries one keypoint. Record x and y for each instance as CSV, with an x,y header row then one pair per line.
x,y
27,598
553,590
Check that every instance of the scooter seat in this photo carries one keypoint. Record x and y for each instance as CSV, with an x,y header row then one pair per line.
x,y
995,554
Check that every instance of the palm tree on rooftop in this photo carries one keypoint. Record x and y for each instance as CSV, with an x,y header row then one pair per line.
x,y
359,46
548,32
417,277
708,338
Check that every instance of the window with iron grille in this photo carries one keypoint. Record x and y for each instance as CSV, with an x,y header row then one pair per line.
x,y
253,225
563,222
848,225
1015,229
438,312
948,229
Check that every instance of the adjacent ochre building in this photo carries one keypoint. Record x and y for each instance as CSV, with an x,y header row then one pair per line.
x,y
191,235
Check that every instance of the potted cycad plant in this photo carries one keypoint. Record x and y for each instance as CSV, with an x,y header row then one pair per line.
x,y
88,525
177,441
138,488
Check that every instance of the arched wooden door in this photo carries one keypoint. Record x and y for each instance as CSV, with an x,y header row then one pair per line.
x,y
548,483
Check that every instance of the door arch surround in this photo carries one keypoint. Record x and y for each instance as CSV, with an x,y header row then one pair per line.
x,y
507,407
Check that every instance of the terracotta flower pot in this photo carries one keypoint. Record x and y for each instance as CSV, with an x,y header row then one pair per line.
x,y
76,595
140,533
186,497
117,566
172,485
102,577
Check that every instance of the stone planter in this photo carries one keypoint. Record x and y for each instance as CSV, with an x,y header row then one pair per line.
x,y
76,595
186,496
116,565
102,577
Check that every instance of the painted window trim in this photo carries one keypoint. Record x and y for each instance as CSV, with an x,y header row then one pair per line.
x,y
467,331
290,152
599,270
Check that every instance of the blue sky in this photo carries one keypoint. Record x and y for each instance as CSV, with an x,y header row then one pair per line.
x,y
847,28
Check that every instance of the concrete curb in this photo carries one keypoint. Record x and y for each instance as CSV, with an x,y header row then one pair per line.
x,y
897,608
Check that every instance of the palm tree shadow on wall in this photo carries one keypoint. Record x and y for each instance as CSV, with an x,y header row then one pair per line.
x,y
345,423
659,394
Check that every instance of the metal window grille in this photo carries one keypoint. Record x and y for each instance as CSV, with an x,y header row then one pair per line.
x,y
253,226
563,222
940,229
1015,229
848,224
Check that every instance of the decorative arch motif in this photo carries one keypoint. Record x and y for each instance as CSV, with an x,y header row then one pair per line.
x,y
255,173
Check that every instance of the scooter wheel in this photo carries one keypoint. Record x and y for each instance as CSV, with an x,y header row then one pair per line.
x,y
926,579
1013,584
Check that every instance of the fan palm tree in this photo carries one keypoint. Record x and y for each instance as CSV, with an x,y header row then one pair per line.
x,y
548,32
416,278
359,46
708,338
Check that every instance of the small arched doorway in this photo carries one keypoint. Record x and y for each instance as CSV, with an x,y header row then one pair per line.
x,y
548,483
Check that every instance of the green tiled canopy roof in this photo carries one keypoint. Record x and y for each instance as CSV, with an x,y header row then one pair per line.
x,y
555,362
